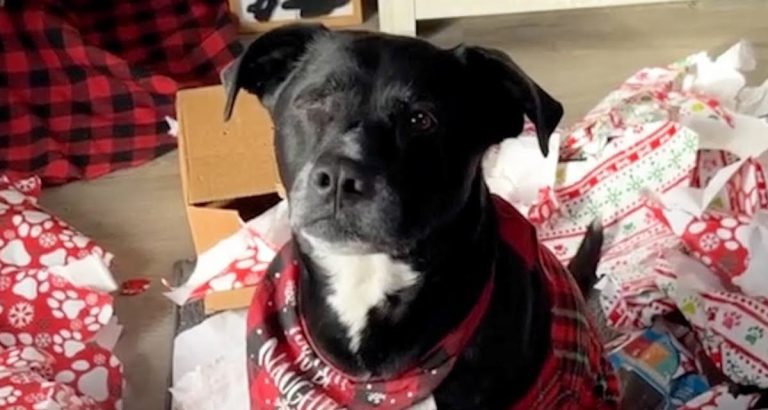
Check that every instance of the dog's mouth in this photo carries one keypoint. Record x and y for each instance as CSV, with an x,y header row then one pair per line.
x,y
330,229
326,234
347,236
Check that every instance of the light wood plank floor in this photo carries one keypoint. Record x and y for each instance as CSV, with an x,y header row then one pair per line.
x,y
578,56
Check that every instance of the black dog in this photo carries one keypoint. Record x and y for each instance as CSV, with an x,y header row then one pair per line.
x,y
379,141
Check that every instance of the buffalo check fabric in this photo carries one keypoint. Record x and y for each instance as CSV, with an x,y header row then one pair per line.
x,y
86,85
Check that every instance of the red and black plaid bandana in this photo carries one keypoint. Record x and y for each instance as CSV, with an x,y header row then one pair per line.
x,y
85,85
287,372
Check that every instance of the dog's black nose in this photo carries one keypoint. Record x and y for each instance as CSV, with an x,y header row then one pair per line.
x,y
340,177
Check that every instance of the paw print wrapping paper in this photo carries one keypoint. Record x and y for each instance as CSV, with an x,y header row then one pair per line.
x,y
56,314
718,278
238,261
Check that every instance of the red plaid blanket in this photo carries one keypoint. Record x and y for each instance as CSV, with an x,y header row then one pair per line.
x,y
85,85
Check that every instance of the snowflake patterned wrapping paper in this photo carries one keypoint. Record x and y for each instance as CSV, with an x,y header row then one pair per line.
x,y
632,144
56,315
673,159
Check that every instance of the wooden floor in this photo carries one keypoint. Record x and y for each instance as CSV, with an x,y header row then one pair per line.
x,y
578,56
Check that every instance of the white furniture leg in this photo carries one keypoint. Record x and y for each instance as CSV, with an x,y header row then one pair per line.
x,y
397,17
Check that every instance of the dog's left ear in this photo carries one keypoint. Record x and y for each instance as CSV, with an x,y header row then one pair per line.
x,y
267,62
506,86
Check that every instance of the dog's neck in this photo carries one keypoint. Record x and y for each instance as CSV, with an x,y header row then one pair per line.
x,y
373,315
359,283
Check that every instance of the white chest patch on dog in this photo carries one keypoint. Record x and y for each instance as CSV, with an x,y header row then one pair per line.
x,y
359,283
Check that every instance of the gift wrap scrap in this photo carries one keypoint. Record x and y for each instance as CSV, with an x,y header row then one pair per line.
x,y
673,163
57,327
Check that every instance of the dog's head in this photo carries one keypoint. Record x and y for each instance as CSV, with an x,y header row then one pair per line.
x,y
379,138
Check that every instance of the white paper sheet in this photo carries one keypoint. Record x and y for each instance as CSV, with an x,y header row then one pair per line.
x,y
173,126
747,138
87,272
209,365
516,170
754,281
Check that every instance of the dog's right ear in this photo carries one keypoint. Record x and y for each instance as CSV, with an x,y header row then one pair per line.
x,y
505,85
267,62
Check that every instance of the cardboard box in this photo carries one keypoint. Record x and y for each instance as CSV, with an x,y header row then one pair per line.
x,y
263,15
228,300
228,170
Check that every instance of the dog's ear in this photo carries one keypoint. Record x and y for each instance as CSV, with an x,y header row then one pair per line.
x,y
504,85
267,62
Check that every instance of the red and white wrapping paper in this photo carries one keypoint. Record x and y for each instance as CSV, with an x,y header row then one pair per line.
x,y
56,316
631,144
674,160
721,283
238,261
730,325
518,183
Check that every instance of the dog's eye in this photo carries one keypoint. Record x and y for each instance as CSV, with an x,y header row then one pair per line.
x,y
421,122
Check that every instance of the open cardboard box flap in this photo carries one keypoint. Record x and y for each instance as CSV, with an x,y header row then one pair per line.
x,y
224,160
228,170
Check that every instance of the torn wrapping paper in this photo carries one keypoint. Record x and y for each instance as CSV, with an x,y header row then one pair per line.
x,y
631,143
721,286
674,160
730,325
518,184
724,224
239,260
22,371
135,286
718,239
57,327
